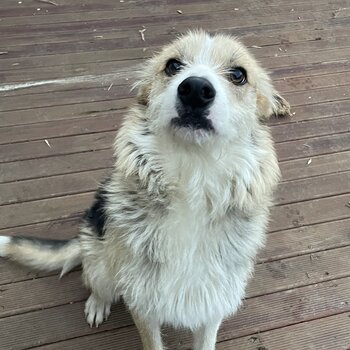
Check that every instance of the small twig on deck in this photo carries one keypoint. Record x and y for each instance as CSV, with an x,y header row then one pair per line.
x,y
48,2
142,33
47,142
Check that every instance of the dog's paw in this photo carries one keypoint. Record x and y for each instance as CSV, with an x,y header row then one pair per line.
x,y
96,311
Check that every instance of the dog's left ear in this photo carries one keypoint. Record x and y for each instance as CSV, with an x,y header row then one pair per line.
x,y
273,105
143,91
269,102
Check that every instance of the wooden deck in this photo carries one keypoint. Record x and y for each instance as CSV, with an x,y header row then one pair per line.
x,y
55,145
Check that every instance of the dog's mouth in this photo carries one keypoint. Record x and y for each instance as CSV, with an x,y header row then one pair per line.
x,y
192,119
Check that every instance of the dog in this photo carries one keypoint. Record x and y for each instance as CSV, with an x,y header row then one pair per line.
x,y
176,226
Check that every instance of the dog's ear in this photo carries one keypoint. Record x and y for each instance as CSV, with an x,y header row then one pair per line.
x,y
273,105
280,107
143,91
269,102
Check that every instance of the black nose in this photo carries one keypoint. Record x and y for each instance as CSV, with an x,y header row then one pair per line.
x,y
196,92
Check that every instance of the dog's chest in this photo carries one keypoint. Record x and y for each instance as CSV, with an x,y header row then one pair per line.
x,y
197,272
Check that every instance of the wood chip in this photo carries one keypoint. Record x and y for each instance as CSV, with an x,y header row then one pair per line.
x,y
48,2
309,162
110,86
236,9
47,142
142,33
3,52
179,11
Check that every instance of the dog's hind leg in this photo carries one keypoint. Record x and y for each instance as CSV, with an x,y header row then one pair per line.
x,y
205,336
150,332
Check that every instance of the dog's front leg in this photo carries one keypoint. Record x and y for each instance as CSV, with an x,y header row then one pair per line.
x,y
149,331
205,336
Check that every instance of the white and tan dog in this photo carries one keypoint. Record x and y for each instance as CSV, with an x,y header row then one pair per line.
x,y
177,225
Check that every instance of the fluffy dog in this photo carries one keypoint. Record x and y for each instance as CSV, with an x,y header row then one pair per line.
x,y
175,228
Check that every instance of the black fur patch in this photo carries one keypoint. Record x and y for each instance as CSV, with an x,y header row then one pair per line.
x,y
96,215
50,243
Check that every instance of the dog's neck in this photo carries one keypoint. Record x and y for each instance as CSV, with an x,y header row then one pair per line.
x,y
213,176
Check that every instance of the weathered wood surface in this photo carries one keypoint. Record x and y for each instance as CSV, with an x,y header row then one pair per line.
x,y
55,147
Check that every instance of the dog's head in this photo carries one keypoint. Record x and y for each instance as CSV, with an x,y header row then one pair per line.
x,y
202,86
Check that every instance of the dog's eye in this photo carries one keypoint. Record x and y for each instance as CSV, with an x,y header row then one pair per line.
x,y
238,76
172,67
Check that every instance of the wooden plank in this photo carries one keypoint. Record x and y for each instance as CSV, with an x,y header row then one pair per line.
x,y
311,128
71,111
67,127
319,95
58,98
323,164
295,272
313,146
44,210
126,338
309,212
291,37
324,334
56,165
58,146
314,111
49,187
54,324
312,82
41,293
72,12
312,188
153,22
305,240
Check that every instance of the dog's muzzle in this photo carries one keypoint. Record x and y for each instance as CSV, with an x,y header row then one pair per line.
x,y
195,95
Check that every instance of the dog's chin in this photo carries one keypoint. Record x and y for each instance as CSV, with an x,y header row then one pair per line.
x,y
192,129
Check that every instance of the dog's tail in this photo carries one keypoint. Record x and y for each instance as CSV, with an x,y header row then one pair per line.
x,y
42,254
